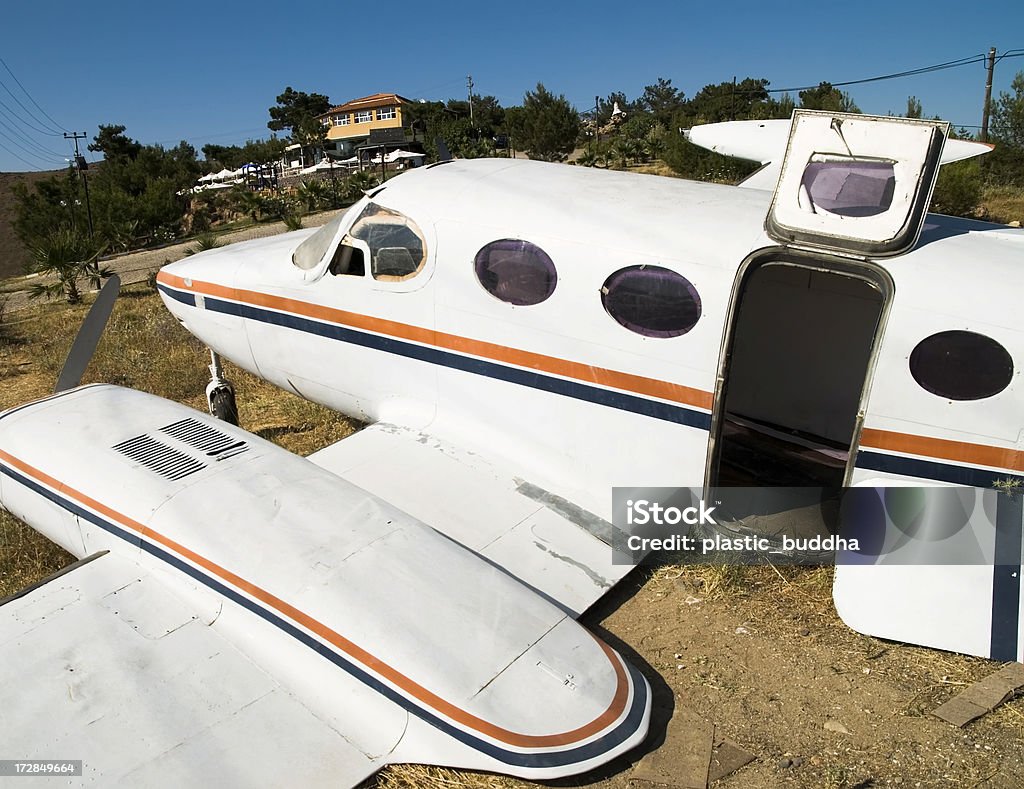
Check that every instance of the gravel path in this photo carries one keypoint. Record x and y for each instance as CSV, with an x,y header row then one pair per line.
x,y
137,266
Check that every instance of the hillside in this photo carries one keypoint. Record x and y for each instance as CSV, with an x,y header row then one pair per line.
x,y
13,255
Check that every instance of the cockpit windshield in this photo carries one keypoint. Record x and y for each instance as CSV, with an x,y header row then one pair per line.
x,y
311,251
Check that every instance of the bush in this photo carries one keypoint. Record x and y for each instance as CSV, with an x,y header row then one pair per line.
x,y
204,242
66,255
958,189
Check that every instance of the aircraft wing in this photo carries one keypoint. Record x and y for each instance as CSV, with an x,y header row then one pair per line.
x,y
549,543
263,609
765,142
104,664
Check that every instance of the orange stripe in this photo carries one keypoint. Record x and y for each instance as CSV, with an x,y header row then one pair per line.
x,y
957,451
568,369
428,698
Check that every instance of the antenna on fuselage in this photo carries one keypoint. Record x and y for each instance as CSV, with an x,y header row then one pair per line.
x,y
442,150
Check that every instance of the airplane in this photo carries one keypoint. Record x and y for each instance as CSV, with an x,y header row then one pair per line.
x,y
521,338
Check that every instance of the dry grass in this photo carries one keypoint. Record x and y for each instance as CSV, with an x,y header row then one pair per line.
x,y
419,776
1003,204
25,556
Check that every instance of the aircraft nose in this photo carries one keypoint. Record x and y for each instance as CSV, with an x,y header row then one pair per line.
x,y
212,266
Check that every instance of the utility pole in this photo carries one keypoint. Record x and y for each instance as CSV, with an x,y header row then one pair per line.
x,y
82,166
469,86
597,121
988,94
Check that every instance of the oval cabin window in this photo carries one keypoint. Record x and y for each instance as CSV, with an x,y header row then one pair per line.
x,y
961,365
516,272
652,301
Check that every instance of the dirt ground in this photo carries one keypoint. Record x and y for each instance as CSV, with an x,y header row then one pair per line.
x,y
757,653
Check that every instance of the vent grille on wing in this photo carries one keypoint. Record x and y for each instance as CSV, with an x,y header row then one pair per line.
x,y
158,457
205,438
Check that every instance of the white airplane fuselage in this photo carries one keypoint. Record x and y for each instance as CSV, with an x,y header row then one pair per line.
x,y
575,401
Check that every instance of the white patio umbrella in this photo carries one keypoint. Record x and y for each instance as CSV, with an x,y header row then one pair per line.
x,y
394,156
319,167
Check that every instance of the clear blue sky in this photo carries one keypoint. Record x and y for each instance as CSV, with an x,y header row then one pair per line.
x,y
207,72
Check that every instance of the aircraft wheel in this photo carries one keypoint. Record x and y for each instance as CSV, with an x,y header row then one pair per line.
x,y
223,406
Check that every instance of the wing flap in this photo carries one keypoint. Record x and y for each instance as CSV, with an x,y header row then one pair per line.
x,y
545,541
105,665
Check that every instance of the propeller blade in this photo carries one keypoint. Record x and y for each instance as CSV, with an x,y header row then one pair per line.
x,y
88,336
442,150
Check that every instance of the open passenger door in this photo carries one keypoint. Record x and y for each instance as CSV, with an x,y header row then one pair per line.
x,y
790,402
859,184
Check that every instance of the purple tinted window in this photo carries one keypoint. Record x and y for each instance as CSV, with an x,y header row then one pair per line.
x,y
850,187
517,272
961,365
651,301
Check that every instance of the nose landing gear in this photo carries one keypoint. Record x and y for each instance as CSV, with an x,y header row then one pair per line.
x,y
220,394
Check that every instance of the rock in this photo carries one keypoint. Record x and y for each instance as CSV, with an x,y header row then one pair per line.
x,y
804,631
836,726
785,763
1015,223
797,761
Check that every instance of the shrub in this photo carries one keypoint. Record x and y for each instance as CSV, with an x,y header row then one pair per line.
x,y
204,242
958,189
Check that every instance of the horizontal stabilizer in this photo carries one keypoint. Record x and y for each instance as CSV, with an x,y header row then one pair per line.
x,y
765,142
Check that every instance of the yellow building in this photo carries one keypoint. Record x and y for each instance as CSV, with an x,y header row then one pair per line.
x,y
349,125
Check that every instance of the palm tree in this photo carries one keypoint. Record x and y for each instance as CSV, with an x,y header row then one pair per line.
x,y
313,193
204,241
357,183
68,256
249,202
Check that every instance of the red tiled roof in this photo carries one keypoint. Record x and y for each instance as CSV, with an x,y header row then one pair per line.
x,y
368,102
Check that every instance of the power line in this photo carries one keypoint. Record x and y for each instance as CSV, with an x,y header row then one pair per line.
x,y
41,157
909,73
25,137
20,158
1012,53
29,95
14,116
966,61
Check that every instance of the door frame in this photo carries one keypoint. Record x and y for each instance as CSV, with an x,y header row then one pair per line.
x,y
830,264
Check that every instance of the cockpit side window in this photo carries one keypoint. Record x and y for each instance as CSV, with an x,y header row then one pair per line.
x,y
397,249
347,260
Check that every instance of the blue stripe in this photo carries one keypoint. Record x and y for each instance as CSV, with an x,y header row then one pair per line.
x,y
667,412
177,295
1006,576
875,461
930,469
582,753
